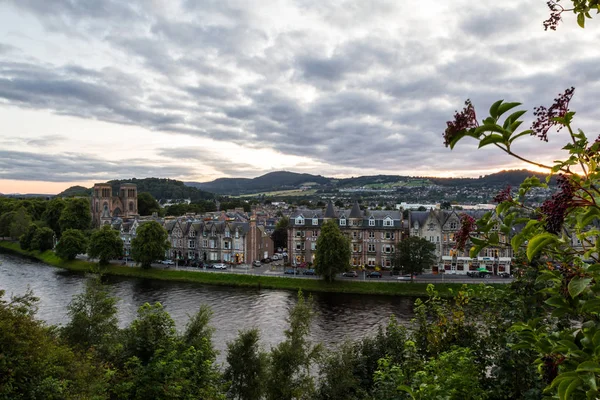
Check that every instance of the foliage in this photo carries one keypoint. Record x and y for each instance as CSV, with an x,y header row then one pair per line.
x,y
5,221
332,255
27,238
19,224
76,214
413,255
230,204
150,243
280,234
246,367
147,204
197,207
105,244
43,239
289,375
161,188
52,214
93,318
71,243
34,364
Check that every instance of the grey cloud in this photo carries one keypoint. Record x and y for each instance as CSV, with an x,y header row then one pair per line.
x,y
44,141
68,167
226,164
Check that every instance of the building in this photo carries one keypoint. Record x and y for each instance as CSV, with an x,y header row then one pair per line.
x,y
105,205
441,226
373,234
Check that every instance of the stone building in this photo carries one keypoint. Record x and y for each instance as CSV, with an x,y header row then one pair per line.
x,y
105,205
373,234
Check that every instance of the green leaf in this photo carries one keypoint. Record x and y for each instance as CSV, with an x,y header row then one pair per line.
x,y
513,118
537,243
491,139
577,285
504,107
574,384
581,20
526,132
588,366
591,305
494,109
557,301
494,239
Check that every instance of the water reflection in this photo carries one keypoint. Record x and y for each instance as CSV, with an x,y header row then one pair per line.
x,y
338,316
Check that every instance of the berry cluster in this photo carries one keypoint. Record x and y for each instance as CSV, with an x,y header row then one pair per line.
x,y
504,195
554,19
545,116
467,225
466,119
555,208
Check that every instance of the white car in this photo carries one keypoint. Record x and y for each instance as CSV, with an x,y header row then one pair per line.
x,y
275,257
168,262
220,266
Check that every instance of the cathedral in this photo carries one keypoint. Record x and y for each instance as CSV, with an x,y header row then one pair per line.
x,y
106,206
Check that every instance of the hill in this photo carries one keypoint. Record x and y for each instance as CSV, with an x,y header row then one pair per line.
x,y
159,188
283,180
272,181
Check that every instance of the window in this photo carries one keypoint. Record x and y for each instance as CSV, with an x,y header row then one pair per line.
x,y
205,243
299,221
371,262
212,244
227,233
453,225
180,243
388,263
315,233
192,244
192,233
355,235
354,261
357,248
371,221
190,254
313,246
371,235
371,248
236,245
387,248
226,245
388,222
342,221
388,235
237,234
315,221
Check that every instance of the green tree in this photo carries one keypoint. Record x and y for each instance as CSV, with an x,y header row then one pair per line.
x,y
75,215
246,367
413,255
280,234
105,244
93,318
290,362
43,239
151,243
333,251
71,243
52,214
147,204
27,238
5,221
19,224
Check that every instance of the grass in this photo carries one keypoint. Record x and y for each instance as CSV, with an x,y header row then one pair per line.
x,y
279,193
241,280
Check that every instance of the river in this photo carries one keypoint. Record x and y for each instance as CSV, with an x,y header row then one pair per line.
x,y
338,317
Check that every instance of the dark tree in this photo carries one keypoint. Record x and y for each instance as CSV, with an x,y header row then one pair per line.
x,y
333,251
151,243
71,243
43,239
147,204
105,244
413,255
76,215
52,214
27,238
247,366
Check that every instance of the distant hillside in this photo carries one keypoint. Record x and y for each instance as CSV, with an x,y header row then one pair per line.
x,y
159,188
280,180
276,181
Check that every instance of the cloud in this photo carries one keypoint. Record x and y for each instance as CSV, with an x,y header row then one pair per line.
x,y
349,84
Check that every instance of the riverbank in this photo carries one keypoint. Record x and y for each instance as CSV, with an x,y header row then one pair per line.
x,y
415,289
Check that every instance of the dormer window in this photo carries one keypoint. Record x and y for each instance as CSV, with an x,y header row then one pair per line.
x,y
227,233
453,225
237,234
342,221
300,220
315,221
388,222
371,221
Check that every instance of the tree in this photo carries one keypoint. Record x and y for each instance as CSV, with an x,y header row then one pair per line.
x,y
280,234
5,221
71,243
52,214
151,243
247,366
147,204
26,239
333,251
289,375
43,239
93,317
75,215
19,224
413,255
105,244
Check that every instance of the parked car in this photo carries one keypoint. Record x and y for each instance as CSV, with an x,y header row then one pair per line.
x,y
291,271
505,275
405,278
265,260
275,257
374,274
256,263
310,272
220,266
479,274
350,274
167,262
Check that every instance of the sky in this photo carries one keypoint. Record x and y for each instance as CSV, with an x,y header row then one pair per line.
x,y
196,90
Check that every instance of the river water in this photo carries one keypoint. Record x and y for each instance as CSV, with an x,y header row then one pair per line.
x,y
339,316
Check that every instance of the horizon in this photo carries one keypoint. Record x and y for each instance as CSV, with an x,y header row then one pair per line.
x,y
196,91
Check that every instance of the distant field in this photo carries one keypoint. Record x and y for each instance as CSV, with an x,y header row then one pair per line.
x,y
291,192
391,185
